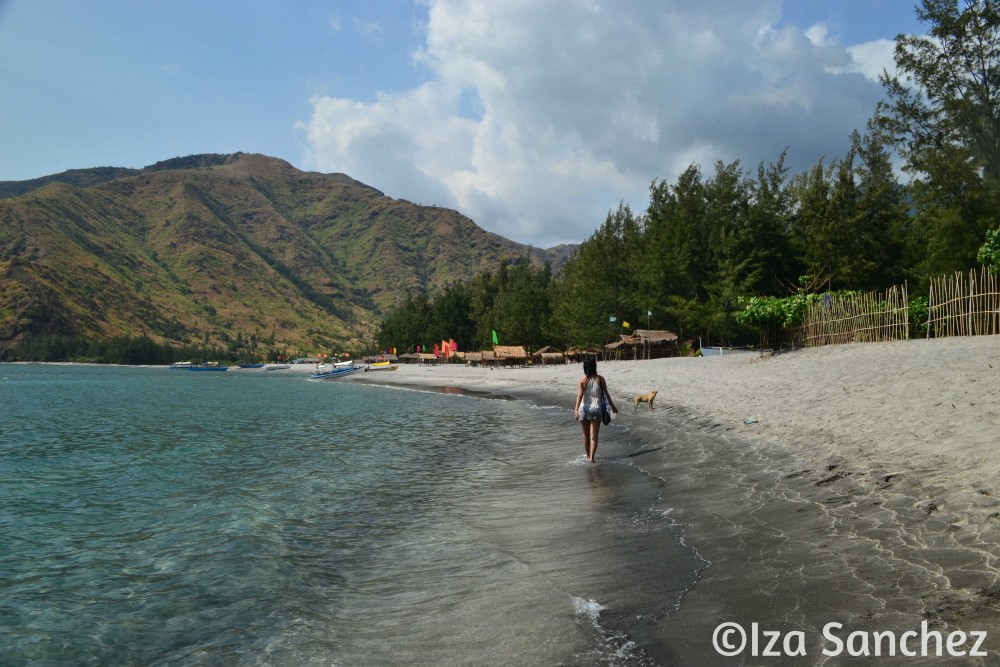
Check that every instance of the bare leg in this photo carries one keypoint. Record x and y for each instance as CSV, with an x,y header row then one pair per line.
x,y
586,437
595,428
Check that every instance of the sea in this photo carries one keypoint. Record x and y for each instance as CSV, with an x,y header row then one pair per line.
x,y
152,516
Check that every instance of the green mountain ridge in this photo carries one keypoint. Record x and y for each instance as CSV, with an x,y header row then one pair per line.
x,y
204,249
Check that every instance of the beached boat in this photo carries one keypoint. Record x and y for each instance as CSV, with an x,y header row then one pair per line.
x,y
277,367
717,351
251,365
381,366
210,366
323,368
335,373
181,365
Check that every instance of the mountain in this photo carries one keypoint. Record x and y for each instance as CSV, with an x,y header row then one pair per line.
x,y
83,178
207,248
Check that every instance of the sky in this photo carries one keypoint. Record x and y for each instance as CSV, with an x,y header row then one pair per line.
x,y
535,118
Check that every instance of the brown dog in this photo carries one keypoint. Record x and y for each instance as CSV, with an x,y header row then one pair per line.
x,y
644,398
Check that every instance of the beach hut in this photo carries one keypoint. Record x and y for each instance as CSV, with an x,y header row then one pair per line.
x,y
479,358
576,354
651,343
549,355
510,355
613,350
427,358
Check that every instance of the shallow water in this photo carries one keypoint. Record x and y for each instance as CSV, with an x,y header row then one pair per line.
x,y
156,516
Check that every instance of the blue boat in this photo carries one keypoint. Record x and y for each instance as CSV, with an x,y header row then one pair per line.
x,y
337,372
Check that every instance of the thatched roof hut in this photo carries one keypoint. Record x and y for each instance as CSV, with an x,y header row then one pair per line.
x,y
549,355
650,343
510,355
654,336
575,354
479,358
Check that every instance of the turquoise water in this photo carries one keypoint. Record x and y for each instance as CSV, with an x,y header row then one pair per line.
x,y
162,517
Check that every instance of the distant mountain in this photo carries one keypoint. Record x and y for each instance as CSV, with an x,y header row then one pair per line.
x,y
206,248
82,178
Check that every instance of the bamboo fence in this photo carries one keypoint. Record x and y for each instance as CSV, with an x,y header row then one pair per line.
x,y
859,318
961,305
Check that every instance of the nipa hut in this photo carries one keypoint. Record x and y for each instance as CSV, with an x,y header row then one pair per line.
x,y
510,355
650,343
479,358
549,355
577,354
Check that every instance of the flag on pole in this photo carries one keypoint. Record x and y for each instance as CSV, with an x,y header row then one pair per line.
x,y
612,319
649,313
496,341
625,324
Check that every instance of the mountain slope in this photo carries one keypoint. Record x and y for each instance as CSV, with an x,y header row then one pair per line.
x,y
206,248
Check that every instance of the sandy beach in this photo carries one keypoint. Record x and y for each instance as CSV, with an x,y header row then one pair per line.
x,y
853,484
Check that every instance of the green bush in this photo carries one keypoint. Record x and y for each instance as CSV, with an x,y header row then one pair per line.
x,y
989,253
918,316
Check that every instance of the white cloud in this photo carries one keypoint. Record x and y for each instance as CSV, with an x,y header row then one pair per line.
x,y
818,35
872,58
539,117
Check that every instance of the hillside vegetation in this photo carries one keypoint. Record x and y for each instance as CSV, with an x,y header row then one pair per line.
x,y
210,249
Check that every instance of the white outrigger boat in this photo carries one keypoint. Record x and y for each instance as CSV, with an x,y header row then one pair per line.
x,y
337,372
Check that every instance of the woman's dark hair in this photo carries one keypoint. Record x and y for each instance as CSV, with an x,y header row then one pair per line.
x,y
590,367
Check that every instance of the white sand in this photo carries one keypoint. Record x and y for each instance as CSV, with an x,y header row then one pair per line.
x,y
904,399
866,491
928,408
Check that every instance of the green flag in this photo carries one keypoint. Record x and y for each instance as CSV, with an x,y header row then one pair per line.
x,y
496,341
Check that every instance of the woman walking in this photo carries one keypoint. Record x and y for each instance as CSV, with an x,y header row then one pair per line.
x,y
592,392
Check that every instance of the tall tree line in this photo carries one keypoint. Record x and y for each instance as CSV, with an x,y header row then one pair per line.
x,y
512,300
847,223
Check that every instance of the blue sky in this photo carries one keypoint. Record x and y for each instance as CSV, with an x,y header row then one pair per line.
x,y
532,117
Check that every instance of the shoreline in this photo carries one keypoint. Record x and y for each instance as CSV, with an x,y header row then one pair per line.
x,y
864,491
855,484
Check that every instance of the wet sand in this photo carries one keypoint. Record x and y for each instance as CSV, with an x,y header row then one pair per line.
x,y
855,484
